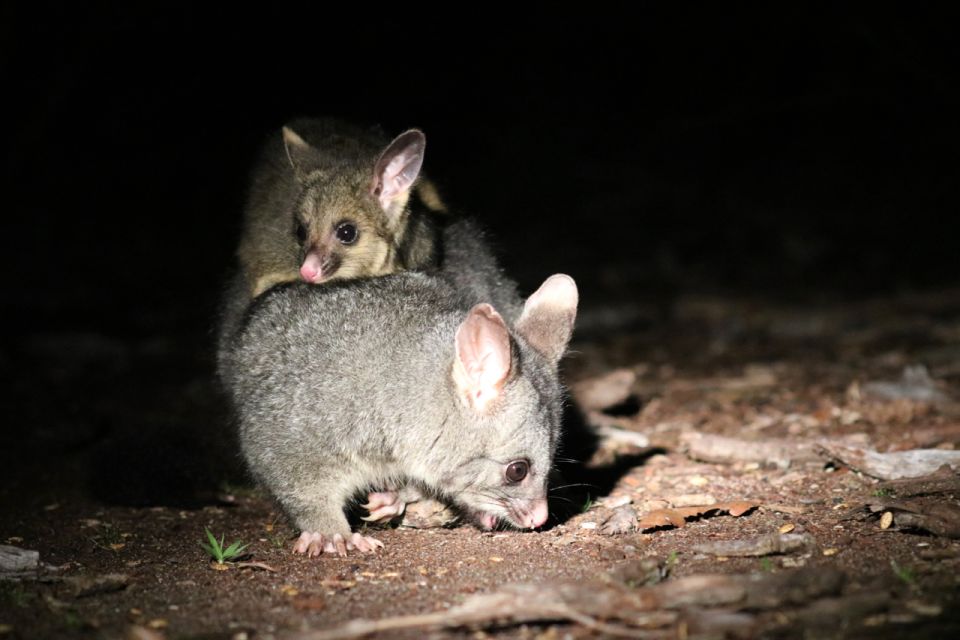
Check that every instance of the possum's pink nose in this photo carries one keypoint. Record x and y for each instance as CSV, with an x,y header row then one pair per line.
x,y
312,268
537,515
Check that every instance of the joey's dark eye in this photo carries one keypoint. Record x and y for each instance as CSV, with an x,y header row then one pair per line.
x,y
346,232
301,232
517,470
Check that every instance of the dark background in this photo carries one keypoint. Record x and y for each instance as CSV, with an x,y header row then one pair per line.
x,y
674,149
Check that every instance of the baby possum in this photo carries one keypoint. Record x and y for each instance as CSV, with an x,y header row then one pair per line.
x,y
330,200
446,399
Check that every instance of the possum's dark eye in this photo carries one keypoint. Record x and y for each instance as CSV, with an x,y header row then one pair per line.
x,y
301,232
517,470
346,232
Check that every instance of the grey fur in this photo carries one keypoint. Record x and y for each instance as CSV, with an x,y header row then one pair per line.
x,y
346,387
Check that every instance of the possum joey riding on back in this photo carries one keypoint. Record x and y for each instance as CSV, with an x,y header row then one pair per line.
x,y
333,202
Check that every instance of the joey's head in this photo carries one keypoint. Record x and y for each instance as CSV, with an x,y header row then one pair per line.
x,y
509,400
352,210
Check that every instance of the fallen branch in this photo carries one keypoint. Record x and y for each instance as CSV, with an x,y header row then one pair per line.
x,y
775,543
891,466
16,563
942,519
720,449
643,612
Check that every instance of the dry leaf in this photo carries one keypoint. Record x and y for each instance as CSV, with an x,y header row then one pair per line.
x,y
677,517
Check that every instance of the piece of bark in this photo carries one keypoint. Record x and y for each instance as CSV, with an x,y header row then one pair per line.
x,y
606,427
837,613
943,480
891,466
603,392
16,563
775,543
721,449
622,520
720,624
83,586
792,588
914,384
756,591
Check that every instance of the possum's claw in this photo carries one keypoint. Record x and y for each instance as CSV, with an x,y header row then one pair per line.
x,y
366,544
310,543
383,505
313,543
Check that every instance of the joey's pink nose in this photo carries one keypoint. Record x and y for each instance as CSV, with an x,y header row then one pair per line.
x,y
537,515
312,268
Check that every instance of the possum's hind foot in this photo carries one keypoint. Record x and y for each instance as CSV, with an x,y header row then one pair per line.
x,y
383,505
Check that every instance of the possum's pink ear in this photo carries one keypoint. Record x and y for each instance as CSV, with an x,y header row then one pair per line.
x,y
397,169
298,151
482,357
548,315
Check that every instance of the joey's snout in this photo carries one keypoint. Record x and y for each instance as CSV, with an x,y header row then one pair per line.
x,y
319,265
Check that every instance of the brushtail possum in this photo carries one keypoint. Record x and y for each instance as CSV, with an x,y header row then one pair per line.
x,y
330,200
396,384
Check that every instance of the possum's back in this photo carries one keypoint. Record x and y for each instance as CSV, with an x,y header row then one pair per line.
x,y
342,362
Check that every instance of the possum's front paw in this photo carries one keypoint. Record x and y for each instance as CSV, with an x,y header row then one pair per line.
x,y
313,543
383,505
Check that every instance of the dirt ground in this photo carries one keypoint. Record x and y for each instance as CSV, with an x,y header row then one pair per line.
x,y
123,461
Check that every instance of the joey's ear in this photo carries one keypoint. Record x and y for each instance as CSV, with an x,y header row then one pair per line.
x,y
298,151
397,168
482,357
548,315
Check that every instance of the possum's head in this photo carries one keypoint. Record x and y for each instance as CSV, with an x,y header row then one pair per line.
x,y
510,400
352,211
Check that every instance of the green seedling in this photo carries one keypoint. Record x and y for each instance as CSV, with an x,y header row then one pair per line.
x,y
587,504
217,552
883,493
904,573
766,564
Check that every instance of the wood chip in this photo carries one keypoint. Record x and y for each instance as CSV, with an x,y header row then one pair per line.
x,y
138,632
787,528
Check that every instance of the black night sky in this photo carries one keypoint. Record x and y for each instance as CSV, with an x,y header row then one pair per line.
x,y
673,149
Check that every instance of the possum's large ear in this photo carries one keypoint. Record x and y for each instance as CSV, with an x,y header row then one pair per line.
x,y
397,169
298,151
548,315
482,357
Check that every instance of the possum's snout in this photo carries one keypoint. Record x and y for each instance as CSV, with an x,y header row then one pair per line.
x,y
533,515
